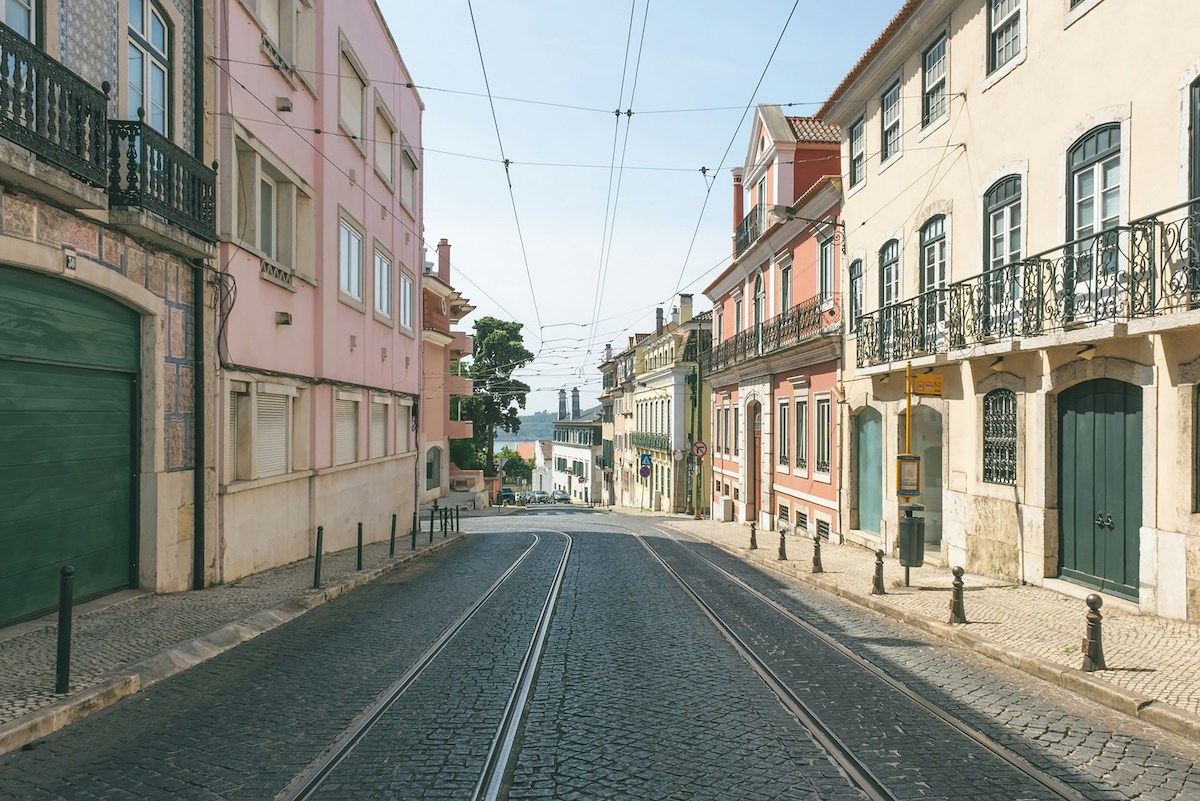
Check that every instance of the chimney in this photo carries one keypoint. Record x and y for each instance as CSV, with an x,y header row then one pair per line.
x,y
575,403
739,204
443,260
562,404
675,316
685,307
608,352
658,321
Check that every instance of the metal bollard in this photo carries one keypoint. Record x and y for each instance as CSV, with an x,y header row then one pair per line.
x,y
957,613
458,518
62,667
877,583
392,541
753,537
782,546
317,561
445,521
432,513
817,567
359,561
1093,645
415,526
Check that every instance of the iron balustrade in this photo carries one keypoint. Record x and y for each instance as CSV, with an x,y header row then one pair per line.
x,y
646,439
749,230
1146,268
147,171
815,317
50,111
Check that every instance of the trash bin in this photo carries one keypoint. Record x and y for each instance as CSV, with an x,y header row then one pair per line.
x,y
912,536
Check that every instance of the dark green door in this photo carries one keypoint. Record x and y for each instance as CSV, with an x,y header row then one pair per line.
x,y
1100,490
68,441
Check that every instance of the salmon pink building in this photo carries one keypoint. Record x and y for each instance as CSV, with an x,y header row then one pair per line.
x,y
777,336
319,222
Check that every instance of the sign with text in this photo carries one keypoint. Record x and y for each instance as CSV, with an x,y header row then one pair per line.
x,y
908,474
929,384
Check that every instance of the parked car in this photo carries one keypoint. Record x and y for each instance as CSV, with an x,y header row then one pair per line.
x,y
541,496
505,495
560,496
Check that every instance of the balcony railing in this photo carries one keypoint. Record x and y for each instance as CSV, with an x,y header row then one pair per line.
x,y
50,111
1147,268
658,442
749,230
803,322
149,172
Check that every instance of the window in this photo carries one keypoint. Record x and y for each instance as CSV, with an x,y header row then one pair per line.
x,y
273,214
720,323
406,300
1001,253
353,88
824,435
377,429
149,65
1094,194
889,273
823,529
784,434
22,17
1000,437
408,181
383,284
385,145
856,293
784,514
726,431
825,269
785,288
345,431
933,79
272,435
350,243
268,213
270,17
889,106
235,439
737,316
737,420
801,433
933,254
759,300
1004,32
403,428
1194,131
858,151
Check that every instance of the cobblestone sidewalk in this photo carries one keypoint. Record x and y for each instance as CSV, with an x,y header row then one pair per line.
x,y
121,647
1153,663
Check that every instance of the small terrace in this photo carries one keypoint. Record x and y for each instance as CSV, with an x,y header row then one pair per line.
x,y
815,318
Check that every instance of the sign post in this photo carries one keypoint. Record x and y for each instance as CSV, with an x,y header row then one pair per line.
x,y
699,450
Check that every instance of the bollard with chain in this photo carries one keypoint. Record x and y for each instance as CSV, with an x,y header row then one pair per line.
x,y
359,559
817,568
392,541
1093,645
753,537
957,613
415,526
317,560
877,583
62,667
782,546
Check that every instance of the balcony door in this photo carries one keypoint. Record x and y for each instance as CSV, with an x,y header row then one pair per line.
x,y
24,17
1091,287
933,270
1001,301
760,303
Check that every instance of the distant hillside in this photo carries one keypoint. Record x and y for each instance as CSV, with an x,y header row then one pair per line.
x,y
540,425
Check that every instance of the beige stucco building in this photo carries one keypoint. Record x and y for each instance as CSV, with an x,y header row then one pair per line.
x,y
1006,167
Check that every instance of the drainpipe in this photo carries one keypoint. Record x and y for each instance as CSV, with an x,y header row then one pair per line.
x,y
198,358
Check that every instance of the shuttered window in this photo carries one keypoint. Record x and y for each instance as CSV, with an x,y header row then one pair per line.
x,y
378,430
231,439
345,431
403,427
271,435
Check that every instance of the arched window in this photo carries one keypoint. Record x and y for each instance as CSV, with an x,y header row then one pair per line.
x,y
856,293
889,273
759,297
1000,437
933,253
149,55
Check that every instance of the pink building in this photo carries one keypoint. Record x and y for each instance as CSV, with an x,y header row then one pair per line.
x,y
777,333
319,221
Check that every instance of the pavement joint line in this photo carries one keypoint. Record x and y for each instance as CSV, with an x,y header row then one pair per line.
x,y
137,676
1150,710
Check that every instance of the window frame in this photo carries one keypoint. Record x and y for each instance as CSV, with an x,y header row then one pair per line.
x,y
886,153
1014,18
388,143
783,434
826,271
1000,437
36,22
141,40
800,456
858,153
785,287
1081,162
293,218
382,290
355,133
355,400
935,101
350,276
889,273
823,419
857,293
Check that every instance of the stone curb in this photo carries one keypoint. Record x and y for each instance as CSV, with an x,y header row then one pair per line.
x,y
1152,711
137,676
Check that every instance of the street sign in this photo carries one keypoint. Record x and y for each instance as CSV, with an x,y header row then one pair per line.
x,y
644,471
645,460
581,479
908,475
699,449
927,384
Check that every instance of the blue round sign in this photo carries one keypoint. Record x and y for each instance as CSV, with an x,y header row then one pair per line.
x,y
644,471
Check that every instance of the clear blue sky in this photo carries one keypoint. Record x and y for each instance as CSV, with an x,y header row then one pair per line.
x,y
688,73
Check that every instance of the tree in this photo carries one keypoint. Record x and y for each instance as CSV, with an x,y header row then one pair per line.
x,y
465,455
498,397
516,469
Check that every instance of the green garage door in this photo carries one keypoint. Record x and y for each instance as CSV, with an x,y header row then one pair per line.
x,y
68,441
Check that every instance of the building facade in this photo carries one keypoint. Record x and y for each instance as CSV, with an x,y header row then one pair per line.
x,y
1020,185
320,229
106,243
577,452
777,333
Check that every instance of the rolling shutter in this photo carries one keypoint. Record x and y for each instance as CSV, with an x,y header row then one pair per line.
x,y
345,431
271,435
378,430
231,439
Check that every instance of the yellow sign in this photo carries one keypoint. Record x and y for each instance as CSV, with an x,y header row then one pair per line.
x,y
927,384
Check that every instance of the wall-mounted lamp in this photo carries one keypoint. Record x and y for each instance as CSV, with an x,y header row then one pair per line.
x,y
1087,353
283,318
997,365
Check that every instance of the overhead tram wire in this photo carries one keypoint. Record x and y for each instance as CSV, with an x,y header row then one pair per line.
x,y
420,239
507,174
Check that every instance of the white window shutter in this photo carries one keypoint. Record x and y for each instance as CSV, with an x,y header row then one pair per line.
x,y
378,430
345,431
231,440
271,435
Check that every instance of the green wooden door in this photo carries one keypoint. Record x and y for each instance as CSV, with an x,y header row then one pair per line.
x,y
1100,490
68,442
868,469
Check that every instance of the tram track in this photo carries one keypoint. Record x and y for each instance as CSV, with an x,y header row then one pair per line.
x,y
857,769
496,765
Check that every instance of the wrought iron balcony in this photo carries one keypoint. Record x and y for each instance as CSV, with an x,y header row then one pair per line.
x,y
657,442
146,171
803,322
749,230
1147,268
50,111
